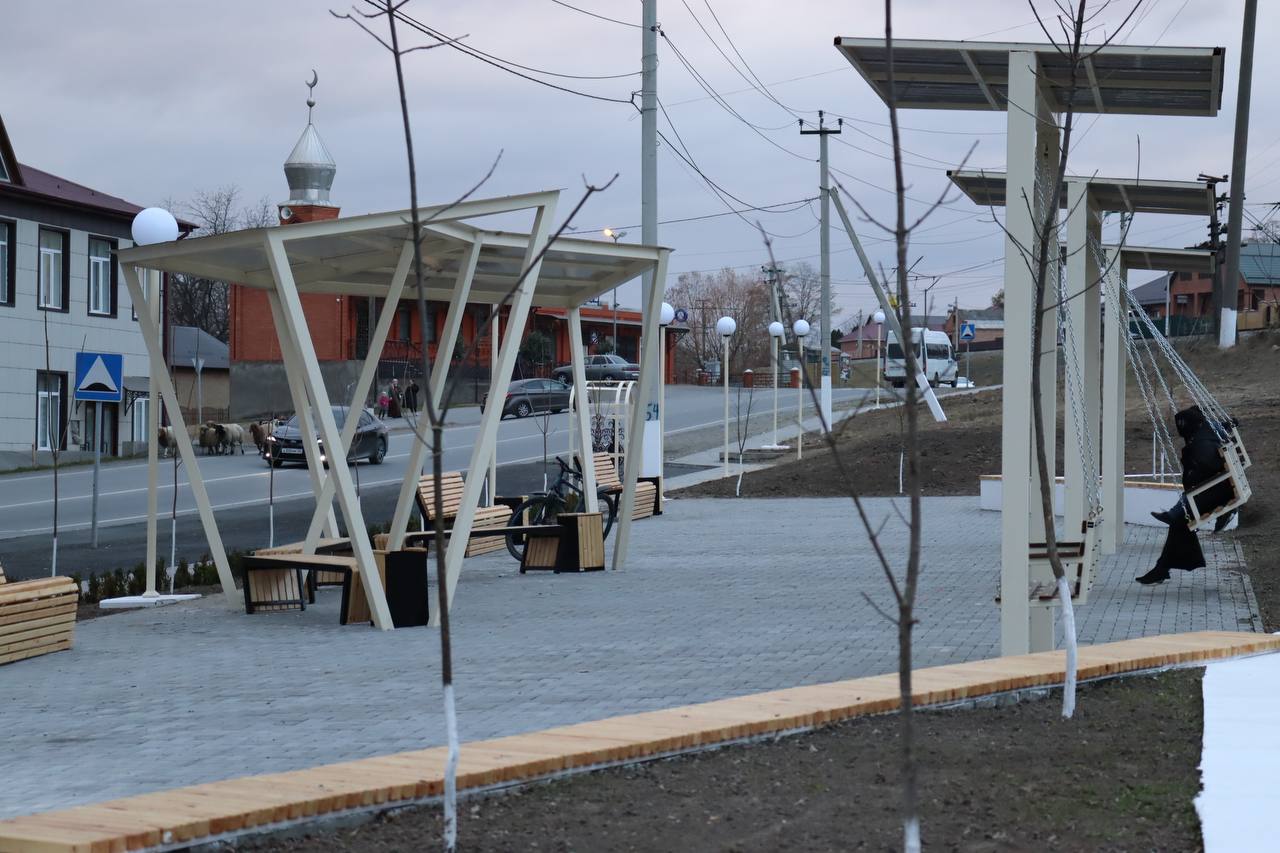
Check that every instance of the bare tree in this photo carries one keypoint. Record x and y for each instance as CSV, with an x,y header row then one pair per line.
x,y
391,11
709,297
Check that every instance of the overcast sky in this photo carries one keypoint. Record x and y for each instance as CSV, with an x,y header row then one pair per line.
x,y
160,99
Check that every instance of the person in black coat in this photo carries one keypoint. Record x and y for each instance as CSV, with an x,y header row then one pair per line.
x,y
1201,462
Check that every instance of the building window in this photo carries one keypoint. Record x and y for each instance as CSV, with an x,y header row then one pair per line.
x,y
8,254
54,280
102,278
50,415
140,407
404,323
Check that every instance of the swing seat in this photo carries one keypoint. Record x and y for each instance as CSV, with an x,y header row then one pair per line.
x,y
1236,459
1078,558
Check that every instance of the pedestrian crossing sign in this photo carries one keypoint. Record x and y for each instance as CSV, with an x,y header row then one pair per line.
x,y
968,331
99,377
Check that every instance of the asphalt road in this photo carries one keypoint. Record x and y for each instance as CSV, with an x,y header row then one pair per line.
x,y
238,487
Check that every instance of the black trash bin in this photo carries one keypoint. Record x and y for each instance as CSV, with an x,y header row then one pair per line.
x,y
407,588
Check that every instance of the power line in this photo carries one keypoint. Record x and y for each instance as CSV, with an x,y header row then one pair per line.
x,y
793,206
596,15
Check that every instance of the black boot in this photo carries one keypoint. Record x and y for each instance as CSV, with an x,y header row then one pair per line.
x,y
1157,575
1223,521
1164,516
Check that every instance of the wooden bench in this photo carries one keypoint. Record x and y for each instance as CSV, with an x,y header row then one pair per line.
x,y
36,617
574,544
647,493
274,583
337,547
486,517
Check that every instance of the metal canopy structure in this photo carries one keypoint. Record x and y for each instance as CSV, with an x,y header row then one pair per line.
x,y
1031,83
372,256
972,75
1130,195
1168,260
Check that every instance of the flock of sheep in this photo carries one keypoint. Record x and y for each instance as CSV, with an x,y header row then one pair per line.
x,y
217,439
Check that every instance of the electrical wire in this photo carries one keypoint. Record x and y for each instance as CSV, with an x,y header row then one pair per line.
x,y
792,206
595,15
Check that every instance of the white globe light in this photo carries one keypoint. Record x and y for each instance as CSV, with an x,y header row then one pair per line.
x,y
877,317
667,314
154,225
801,328
776,329
726,326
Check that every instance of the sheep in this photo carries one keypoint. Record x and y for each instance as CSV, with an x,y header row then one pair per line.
x,y
165,441
210,439
232,436
260,431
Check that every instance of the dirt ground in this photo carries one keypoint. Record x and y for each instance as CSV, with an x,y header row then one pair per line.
x,y
1120,776
968,445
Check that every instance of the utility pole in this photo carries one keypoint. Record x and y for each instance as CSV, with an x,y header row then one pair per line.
x,y
1235,218
824,249
771,278
650,466
1216,299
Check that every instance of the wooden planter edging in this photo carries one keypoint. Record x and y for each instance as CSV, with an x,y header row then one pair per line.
x,y
202,812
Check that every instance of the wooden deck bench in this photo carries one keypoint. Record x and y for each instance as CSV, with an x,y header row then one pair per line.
x,y
486,517
36,617
575,543
648,500
337,547
276,582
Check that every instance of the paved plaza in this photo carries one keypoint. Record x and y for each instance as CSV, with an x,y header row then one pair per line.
x,y
720,598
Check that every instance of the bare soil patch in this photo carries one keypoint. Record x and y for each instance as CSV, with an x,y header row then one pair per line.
x,y
968,445
1120,776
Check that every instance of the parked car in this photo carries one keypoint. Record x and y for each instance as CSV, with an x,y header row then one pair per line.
x,y
369,442
606,368
526,396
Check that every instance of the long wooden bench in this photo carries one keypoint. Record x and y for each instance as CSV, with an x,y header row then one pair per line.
x,y
647,495
36,617
337,547
451,487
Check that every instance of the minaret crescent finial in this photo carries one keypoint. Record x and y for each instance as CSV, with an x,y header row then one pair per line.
x,y
311,91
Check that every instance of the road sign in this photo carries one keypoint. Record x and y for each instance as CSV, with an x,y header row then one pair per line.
x,y
968,331
99,377
682,316
595,337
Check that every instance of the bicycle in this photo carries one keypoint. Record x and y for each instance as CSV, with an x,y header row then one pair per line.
x,y
545,507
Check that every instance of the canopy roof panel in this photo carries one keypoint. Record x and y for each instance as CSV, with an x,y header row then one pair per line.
x,y
357,255
973,75
1170,260
1134,195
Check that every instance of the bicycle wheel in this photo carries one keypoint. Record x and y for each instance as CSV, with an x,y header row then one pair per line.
x,y
539,509
609,508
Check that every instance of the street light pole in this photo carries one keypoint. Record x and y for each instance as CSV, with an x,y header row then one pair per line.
x,y
800,328
666,314
776,331
616,235
725,327
878,319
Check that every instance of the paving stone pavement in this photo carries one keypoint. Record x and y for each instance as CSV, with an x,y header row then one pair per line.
x,y
720,598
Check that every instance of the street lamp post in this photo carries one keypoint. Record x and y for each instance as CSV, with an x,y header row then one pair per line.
x,y
665,315
725,327
616,235
801,330
878,319
776,333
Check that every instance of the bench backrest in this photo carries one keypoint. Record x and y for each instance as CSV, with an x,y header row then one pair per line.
x,y
1,574
606,471
451,486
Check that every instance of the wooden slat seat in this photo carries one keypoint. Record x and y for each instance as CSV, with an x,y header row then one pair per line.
x,y
275,582
451,487
608,480
37,617
338,547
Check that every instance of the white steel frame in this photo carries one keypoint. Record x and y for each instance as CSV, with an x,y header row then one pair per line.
x,y
371,255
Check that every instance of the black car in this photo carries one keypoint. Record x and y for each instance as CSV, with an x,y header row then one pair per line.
x,y
607,368
369,442
526,396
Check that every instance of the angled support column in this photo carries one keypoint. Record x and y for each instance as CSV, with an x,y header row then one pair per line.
x,y
641,413
160,377
304,409
1084,337
1114,357
295,322
487,437
580,417
389,307
435,390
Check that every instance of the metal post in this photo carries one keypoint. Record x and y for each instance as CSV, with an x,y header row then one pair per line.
x,y
824,262
648,214
800,400
724,370
97,468
879,358
773,355
662,409
1235,218
151,307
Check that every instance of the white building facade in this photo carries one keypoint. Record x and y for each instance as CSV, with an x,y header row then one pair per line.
x,y
61,293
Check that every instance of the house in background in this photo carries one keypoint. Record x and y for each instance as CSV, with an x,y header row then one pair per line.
x,y
988,331
1187,298
58,273
207,397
